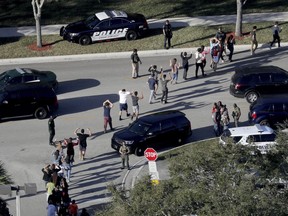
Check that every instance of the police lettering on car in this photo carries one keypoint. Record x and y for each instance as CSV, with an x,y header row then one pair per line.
x,y
109,34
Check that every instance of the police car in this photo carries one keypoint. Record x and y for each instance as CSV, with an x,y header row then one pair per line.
x,y
106,25
261,136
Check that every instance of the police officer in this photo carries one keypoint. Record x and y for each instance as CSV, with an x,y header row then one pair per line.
x,y
167,31
236,114
124,153
51,129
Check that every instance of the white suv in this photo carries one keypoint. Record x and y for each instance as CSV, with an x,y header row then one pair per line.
x,y
257,135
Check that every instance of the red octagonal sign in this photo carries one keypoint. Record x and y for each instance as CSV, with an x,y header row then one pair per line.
x,y
150,154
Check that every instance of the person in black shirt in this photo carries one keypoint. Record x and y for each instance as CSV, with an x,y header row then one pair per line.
x,y
82,141
51,129
167,31
185,63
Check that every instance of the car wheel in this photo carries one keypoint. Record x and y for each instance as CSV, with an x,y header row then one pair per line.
x,y
131,35
139,151
84,40
251,97
41,113
264,122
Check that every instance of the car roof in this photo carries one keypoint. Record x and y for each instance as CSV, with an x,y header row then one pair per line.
x,y
250,130
155,117
259,69
107,14
276,98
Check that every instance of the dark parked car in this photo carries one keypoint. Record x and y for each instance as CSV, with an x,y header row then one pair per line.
x,y
255,81
106,25
27,75
269,110
154,130
27,100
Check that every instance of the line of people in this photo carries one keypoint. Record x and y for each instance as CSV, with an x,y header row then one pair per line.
x,y
57,175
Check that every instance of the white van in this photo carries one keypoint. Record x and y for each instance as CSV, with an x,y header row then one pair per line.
x,y
257,135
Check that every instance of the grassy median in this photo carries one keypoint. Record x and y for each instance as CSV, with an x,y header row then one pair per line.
x,y
182,38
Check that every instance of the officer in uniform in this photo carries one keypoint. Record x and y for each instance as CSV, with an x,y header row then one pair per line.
x,y
124,153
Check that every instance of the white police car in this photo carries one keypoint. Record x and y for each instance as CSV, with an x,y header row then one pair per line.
x,y
106,25
261,136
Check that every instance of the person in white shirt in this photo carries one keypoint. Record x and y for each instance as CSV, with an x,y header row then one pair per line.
x,y
123,94
199,63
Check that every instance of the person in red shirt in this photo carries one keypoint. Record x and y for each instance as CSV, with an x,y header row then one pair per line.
x,y
73,208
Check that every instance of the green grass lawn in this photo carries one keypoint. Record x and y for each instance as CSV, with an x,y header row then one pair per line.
x,y
182,38
19,12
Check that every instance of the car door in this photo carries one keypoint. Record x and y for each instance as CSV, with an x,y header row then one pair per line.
x,y
11,105
168,133
264,142
280,81
265,84
100,31
277,113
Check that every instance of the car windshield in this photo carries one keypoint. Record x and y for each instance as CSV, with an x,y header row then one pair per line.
x,y
139,127
8,75
91,21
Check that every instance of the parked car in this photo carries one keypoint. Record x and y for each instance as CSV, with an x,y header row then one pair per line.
x,y
269,110
27,100
155,130
261,136
106,25
27,75
255,81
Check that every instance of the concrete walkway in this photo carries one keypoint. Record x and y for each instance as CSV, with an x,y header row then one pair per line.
x,y
158,23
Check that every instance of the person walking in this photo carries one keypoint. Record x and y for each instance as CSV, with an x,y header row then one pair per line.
x,y
216,117
82,141
167,32
52,209
236,113
254,42
198,59
204,52
164,81
107,106
185,63
70,149
135,64
135,105
275,31
73,208
152,83
225,120
174,70
47,174
51,129
221,37
230,46
123,94
124,154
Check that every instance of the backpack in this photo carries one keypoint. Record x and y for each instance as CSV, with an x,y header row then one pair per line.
x,y
215,50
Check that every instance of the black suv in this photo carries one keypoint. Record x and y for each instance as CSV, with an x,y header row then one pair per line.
x,y
154,130
269,110
27,100
255,81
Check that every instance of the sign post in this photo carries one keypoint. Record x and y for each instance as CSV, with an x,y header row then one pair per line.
x,y
151,155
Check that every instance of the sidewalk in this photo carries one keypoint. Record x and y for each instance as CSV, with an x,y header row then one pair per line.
x,y
158,23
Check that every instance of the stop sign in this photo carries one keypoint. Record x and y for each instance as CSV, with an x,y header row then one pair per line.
x,y
150,154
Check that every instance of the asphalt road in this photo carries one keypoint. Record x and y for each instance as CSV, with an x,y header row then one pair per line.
x,y
83,86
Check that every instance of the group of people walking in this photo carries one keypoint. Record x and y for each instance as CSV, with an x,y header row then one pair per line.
x,y
221,119
57,174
